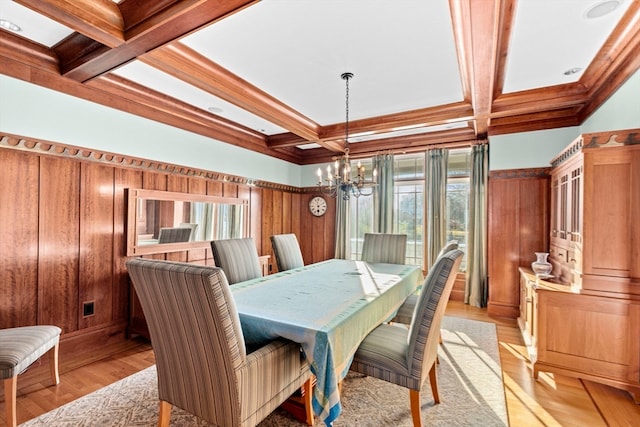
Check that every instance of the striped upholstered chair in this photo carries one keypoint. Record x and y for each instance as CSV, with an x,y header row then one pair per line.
x,y
19,348
384,247
287,251
238,258
405,313
201,359
404,356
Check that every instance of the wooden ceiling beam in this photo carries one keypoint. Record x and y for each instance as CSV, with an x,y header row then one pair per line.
x,y
431,116
615,62
18,49
103,48
533,125
476,27
98,20
402,144
190,66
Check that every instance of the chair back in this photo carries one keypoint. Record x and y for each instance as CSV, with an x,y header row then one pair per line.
x,y
193,226
449,246
424,332
384,247
287,251
238,258
174,234
196,336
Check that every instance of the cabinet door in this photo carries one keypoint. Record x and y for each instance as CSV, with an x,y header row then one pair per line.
x,y
608,217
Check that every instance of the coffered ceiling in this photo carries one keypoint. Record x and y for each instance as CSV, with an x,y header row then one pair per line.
x,y
265,75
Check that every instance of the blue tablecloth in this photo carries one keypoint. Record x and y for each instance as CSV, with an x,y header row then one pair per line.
x,y
328,307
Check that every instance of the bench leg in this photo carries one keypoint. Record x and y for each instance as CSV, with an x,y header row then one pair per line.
x,y
53,364
10,388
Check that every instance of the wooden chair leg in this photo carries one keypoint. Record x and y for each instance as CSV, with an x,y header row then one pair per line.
x,y
53,364
434,383
165,414
10,388
414,398
307,393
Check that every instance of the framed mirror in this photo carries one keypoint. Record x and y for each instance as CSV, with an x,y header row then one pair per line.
x,y
164,221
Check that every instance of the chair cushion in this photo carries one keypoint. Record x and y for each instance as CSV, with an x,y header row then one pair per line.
x,y
383,355
20,347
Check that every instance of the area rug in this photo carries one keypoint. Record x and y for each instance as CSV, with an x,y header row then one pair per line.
x,y
469,380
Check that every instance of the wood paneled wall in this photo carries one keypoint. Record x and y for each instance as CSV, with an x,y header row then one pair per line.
x,y
63,239
518,226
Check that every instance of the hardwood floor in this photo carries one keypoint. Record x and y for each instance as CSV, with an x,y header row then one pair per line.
x,y
553,400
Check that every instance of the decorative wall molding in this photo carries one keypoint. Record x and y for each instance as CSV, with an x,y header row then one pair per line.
x,y
37,146
520,173
612,138
567,153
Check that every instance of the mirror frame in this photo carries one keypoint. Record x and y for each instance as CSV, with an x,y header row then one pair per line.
x,y
135,195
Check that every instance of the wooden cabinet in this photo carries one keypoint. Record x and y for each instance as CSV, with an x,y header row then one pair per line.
x,y
594,234
586,321
581,335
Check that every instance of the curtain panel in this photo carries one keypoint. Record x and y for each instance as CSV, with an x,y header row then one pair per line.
x,y
383,194
476,290
435,203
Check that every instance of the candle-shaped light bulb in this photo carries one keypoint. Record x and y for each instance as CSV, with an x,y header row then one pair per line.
x,y
375,175
319,176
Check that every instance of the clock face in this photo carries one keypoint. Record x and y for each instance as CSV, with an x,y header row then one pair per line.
x,y
318,206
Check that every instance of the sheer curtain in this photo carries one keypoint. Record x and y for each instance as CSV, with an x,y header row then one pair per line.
x,y
435,203
476,291
383,194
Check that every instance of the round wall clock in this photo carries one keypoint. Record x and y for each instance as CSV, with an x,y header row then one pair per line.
x,y
318,206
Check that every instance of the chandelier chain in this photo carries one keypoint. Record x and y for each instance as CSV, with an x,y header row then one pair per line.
x,y
339,180
346,137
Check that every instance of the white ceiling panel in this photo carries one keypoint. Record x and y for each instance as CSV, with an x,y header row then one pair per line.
x,y
553,36
33,26
402,54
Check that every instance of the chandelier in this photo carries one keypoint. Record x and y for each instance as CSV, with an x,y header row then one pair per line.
x,y
339,179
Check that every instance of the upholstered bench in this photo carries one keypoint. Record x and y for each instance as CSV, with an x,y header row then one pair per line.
x,y
19,348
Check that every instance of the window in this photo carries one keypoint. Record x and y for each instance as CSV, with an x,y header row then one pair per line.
x,y
458,199
409,205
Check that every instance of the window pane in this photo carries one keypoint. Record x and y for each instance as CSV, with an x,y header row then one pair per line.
x,y
408,208
361,222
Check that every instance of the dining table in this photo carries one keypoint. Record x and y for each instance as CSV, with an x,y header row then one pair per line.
x,y
328,307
